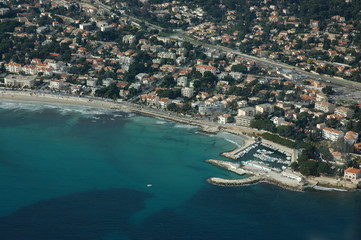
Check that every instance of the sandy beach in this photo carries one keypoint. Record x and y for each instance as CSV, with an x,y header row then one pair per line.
x,y
55,99
33,96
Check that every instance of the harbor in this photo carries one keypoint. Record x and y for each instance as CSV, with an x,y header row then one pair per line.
x,y
259,172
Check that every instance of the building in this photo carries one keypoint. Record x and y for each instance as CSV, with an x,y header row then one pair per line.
x,y
19,81
129,39
205,68
343,111
86,26
284,105
91,82
324,107
13,67
223,119
242,103
187,92
352,173
182,81
164,102
277,121
244,121
4,11
321,126
351,137
264,108
208,109
247,111
169,55
56,84
331,134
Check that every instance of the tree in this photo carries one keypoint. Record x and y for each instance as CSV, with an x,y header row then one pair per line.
x,y
328,90
239,68
323,168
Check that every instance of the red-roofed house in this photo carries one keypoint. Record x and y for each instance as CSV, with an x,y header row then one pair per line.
x,y
352,173
351,137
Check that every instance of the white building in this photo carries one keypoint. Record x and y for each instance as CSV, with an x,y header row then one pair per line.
x,y
205,68
85,26
129,39
343,111
187,92
107,82
244,121
264,108
92,82
247,111
223,119
125,59
324,106
167,55
20,81
182,81
56,84
140,76
13,67
277,121
331,134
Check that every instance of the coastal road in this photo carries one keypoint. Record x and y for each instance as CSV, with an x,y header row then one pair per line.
x,y
271,63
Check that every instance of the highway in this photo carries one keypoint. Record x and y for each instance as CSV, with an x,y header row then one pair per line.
x,y
262,61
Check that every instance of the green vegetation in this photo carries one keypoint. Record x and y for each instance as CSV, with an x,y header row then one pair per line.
x,y
108,92
307,164
284,141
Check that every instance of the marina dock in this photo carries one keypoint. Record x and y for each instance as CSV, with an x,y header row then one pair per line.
x,y
258,172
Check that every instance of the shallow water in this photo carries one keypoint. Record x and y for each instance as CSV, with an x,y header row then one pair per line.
x,y
82,173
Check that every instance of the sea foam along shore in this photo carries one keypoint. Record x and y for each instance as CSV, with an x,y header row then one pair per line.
x,y
34,96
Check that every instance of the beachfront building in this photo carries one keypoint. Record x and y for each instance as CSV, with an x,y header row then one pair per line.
x,y
56,84
164,102
352,173
209,108
19,81
247,111
344,111
264,108
331,134
324,107
244,121
223,119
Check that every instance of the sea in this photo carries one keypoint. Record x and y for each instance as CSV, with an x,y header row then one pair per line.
x,y
80,173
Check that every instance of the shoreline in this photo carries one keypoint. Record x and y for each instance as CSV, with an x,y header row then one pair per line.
x,y
35,97
206,127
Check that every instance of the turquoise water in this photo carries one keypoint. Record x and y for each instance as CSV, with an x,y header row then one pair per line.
x,y
80,173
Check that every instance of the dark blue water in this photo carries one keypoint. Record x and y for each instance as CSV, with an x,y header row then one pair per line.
x,y
80,173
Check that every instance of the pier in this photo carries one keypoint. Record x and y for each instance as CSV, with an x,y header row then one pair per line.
x,y
239,152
